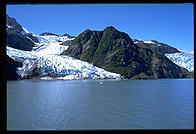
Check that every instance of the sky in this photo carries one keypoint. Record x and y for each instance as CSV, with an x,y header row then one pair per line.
x,y
172,24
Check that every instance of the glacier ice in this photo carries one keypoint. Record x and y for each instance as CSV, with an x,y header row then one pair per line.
x,y
63,67
183,59
50,65
53,48
54,38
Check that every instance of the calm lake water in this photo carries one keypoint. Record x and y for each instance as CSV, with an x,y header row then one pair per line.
x,y
100,104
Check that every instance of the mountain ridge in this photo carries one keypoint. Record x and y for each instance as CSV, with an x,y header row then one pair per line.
x,y
155,45
110,49
115,51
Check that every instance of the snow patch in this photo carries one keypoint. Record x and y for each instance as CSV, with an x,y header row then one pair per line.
x,y
149,42
136,42
25,30
159,45
9,26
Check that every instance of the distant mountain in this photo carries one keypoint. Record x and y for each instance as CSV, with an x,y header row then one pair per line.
x,y
52,38
156,46
115,51
183,59
47,33
69,36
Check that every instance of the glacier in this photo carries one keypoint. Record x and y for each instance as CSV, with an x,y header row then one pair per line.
x,y
183,59
55,38
53,48
45,62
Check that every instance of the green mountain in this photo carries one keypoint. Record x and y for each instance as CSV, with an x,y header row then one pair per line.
x,y
115,51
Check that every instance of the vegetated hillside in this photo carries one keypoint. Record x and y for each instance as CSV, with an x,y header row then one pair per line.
x,y
115,51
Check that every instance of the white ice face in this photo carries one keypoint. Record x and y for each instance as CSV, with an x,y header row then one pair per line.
x,y
183,59
57,66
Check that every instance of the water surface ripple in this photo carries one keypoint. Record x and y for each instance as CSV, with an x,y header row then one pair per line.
x,y
100,104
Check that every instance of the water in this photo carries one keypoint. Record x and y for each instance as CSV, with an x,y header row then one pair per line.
x,y
100,104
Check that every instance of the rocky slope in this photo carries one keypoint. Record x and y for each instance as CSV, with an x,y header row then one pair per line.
x,y
12,66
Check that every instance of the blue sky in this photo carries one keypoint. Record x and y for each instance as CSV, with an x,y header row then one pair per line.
x,y
172,24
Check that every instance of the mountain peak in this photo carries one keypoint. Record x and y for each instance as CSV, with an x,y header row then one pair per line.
x,y
11,22
87,30
48,33
155,41
109,28
69,36
115,51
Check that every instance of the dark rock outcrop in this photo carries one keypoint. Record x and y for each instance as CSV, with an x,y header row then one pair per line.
x,y
69,36
11,66
13,23
17,40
